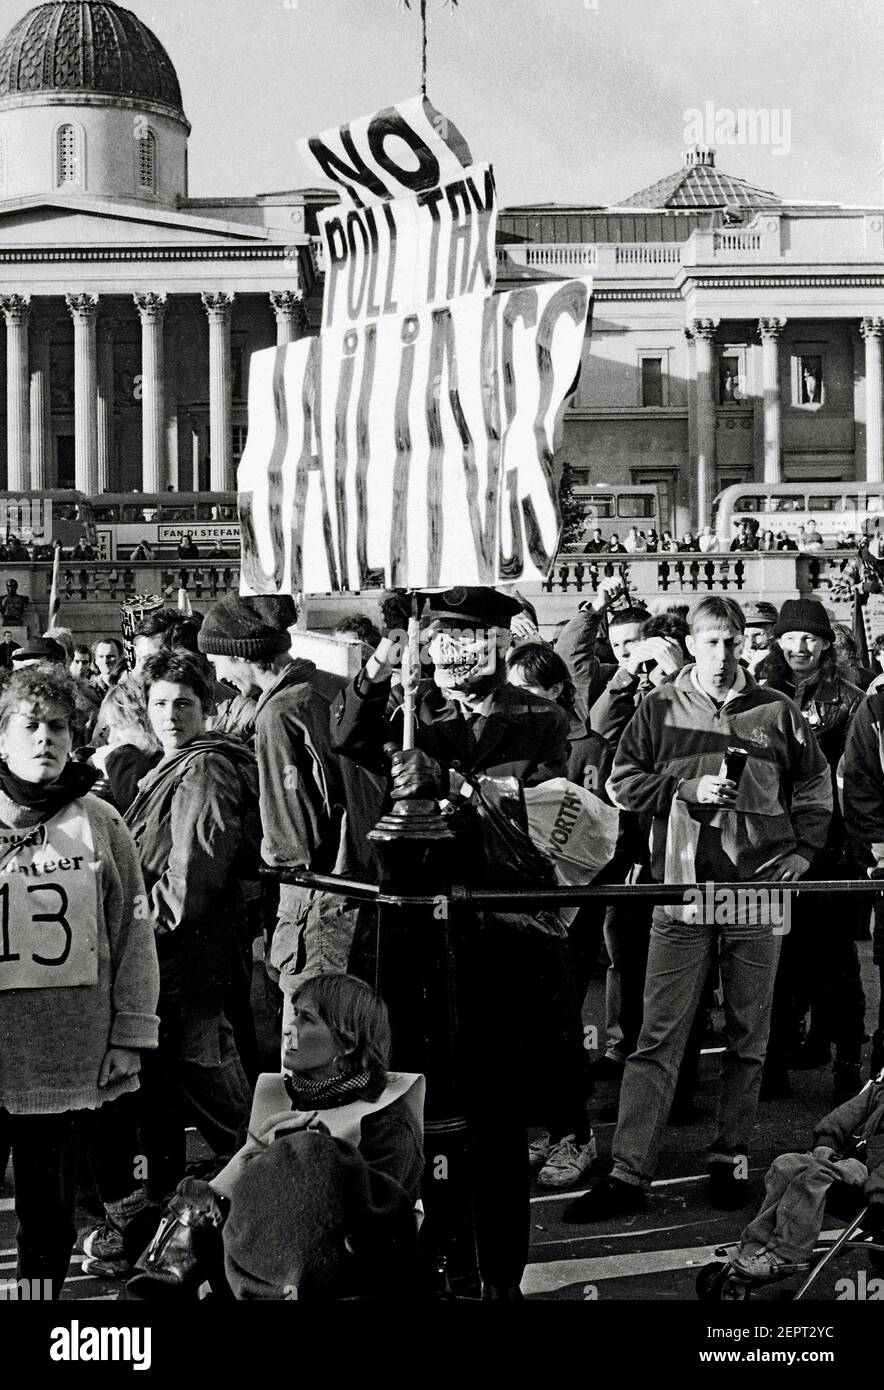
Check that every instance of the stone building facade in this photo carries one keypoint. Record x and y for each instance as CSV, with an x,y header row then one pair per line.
x,y
130,308
735,336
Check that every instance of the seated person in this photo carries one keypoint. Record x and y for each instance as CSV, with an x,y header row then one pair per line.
x,y
848,1148
320,1199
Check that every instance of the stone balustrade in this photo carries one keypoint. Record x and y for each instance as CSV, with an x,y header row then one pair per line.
x,y
90,592
775,575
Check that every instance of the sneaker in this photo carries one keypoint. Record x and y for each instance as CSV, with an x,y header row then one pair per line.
x,y
766,1264
106,1269
538,1150
567,1162
609,1198
727,1191
102,1242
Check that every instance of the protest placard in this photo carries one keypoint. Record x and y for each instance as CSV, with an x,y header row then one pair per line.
x,y
411,442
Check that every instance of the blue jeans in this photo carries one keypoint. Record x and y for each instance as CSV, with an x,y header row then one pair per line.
x,y
678,962
791,1216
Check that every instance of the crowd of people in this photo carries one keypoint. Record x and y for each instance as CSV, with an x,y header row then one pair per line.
x,y
139,798
748,537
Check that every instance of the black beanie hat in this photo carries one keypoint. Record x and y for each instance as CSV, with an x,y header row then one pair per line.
x,y
804,615
233,627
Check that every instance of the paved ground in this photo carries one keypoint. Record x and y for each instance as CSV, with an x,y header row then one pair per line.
x,y
655,1255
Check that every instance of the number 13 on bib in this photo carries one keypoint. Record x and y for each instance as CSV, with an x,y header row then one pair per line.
x,y
49,904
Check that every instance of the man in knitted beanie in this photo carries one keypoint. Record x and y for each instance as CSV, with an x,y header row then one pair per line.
x,y
822,952
304,788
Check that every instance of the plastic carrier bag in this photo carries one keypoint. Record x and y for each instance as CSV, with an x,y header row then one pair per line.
x,y
573,827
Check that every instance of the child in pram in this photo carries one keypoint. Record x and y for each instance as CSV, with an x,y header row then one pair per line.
x,y
848,1147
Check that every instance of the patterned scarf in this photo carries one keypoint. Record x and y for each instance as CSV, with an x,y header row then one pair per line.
x,y
325,1095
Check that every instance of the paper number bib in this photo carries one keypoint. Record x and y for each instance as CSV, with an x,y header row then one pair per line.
x,y
49,904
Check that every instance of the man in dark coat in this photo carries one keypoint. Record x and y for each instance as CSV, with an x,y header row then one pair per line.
x,y
471,728
316,808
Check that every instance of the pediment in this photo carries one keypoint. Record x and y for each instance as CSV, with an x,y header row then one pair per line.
x,y
33,223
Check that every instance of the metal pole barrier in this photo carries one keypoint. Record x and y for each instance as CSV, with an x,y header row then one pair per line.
x,y
573,897
416,978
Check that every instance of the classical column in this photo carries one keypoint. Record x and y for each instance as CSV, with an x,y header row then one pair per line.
x,y
41,337
771,330
218,307
703,331
84,311
152,309
872,329
291,316
171,350
105,411
17,311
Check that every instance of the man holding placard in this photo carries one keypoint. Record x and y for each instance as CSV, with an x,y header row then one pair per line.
x,y
474,736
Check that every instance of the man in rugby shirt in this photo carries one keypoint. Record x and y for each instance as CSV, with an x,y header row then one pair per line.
x,y
768,826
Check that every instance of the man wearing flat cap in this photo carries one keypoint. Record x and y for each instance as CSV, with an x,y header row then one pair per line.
x,y
472,727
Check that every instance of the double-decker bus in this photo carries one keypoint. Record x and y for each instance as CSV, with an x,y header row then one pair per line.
x,y
42,518
124,520
835,510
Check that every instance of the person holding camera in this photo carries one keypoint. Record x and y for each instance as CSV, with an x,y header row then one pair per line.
x,y
650,650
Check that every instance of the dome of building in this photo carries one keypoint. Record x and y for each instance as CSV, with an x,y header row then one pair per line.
x,y
86,46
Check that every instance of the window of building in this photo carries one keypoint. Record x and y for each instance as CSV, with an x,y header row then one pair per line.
x,y
239,441
147,160
652,381
730,385
809,378
68,155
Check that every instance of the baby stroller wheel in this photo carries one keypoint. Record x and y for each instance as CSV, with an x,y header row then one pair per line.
x,y
733,1288
714,1283
706,1279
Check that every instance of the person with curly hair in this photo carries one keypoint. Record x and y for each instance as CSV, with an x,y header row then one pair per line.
x,y
78,971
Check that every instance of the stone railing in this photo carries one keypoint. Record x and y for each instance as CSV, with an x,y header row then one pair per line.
x,y
555,256
647,253
737,243
101,581
776,575
606,260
